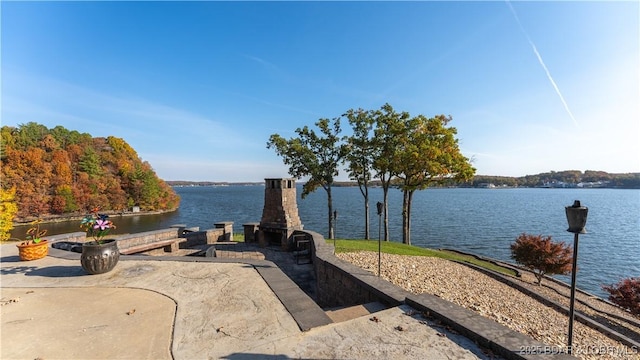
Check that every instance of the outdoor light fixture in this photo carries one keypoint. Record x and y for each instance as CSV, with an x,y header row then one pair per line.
x,y
379,206
577,219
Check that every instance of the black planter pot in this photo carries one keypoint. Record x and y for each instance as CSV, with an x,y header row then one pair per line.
x,y
99,259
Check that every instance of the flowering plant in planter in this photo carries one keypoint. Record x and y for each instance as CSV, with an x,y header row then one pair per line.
x,y
34,247
97,226
34,234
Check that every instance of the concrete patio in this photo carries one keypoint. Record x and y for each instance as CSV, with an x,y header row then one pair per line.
x,y
195,308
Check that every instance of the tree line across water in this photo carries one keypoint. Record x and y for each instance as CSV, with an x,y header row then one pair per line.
x,y
49,172
570,178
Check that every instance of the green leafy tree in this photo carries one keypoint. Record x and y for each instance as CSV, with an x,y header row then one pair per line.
x,y
542,255
150,190
30,135
360,155
428,154
7,141
389,126
316,155
90,163
66,137
66,201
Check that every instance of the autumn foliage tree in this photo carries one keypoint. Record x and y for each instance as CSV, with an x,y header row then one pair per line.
x,y
8,210
59,171
626,293
542,255
428,154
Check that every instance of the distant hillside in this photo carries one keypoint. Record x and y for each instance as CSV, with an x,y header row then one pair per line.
x,y
567,178
560,179
59,171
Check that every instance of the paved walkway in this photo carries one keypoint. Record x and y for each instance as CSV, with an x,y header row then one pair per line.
x,y
165,308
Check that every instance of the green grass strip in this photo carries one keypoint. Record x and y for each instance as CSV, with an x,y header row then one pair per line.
x,y
395,248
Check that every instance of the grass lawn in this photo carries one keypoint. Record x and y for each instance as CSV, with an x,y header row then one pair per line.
x,y
238,237
390,247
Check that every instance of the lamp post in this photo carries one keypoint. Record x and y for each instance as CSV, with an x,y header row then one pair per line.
x,y
577,219
379,208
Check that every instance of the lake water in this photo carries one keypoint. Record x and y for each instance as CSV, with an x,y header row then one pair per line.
x,y
481,221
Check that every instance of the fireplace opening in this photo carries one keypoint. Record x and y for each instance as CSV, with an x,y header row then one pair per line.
x,y
274,237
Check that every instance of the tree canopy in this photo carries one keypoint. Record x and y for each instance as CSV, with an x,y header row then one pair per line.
x,y
427,154
59,171
360,154
314,155
410,152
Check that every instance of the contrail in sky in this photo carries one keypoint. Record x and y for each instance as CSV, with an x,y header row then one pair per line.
x,y
535,50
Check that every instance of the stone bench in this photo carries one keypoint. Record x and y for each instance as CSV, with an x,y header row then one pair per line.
x,y
149,240
169,245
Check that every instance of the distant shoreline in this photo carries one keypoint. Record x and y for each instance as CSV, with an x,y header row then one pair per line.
x,y
48,219
547,181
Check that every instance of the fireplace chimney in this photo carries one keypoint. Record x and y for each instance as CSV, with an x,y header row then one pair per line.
x,y
280,213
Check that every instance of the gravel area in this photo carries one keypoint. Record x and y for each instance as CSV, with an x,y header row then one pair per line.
x,y
495,300
591,306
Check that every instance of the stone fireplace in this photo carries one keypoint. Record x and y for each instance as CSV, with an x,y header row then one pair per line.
x,y
280,213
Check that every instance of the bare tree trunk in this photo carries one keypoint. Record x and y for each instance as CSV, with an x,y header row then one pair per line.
x,y
330,207
366,218
366,213
364,190
409,203
405,217
385,197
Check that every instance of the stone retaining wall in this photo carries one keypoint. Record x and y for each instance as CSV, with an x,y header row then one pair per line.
x,y
340,283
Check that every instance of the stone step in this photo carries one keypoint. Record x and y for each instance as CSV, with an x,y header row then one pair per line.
x,y
347,313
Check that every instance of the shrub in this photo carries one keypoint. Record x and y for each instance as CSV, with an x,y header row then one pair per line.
x,y
542,255
626,293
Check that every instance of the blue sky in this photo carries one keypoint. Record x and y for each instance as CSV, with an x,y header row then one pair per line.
x,y
197,88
